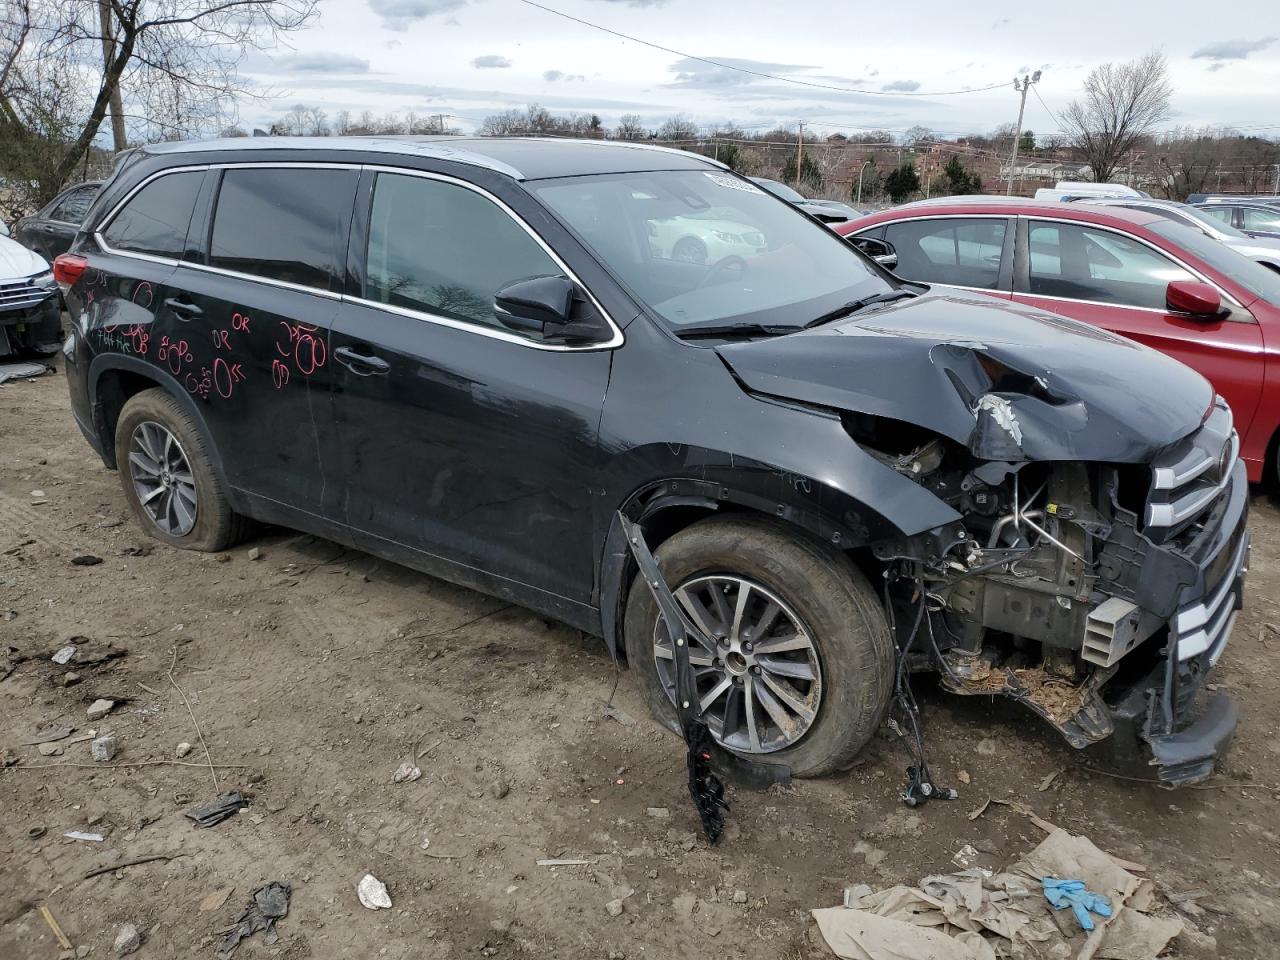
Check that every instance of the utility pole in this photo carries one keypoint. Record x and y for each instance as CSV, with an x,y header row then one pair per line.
x,y
1024,89
1277,190
799,152
108,54
860,171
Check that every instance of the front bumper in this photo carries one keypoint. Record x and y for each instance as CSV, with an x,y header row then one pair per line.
x,y
1164,719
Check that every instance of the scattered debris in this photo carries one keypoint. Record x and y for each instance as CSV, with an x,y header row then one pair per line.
x,y
373,893
86,560
614,907
739,896
659,813
21,371
976,915
269,904
406,773
51,733
128,940
82,835
222,807
36,832
100,708
963,777
49,749
255,553
965,856
183,749
63,942
1073,893
104,748
63,656
499,788
571,862
1047,782
37,494
212,901
613,713
70,679
136,861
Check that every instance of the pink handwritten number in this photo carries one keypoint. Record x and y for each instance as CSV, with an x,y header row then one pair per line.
x,y
220,340
140,338
279,374
173,352
307,351
142,294
226,376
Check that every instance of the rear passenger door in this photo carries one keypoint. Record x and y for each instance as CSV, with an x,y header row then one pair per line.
x,y
252,318
973,253
51,233
461,438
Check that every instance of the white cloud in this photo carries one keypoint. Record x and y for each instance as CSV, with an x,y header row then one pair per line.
x,y
1232,49
321,61
401,14
491,61
901,86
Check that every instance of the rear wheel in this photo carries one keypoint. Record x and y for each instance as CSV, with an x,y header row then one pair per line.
x,y
168,477
801,666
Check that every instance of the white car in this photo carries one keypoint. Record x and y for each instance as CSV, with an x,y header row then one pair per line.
x,y
1265,250
703,238
30,308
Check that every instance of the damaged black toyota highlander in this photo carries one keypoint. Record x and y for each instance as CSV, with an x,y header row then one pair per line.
x,y
487,358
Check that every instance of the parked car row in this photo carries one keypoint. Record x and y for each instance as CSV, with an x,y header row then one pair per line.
x,y
488,358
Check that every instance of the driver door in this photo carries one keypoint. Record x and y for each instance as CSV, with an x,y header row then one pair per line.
x,y
1118,282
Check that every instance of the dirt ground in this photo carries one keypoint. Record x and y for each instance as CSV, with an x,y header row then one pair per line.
x,y
313,671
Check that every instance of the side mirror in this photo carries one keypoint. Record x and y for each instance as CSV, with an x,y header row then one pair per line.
x,y
535,306
1194,299
881,251
551,309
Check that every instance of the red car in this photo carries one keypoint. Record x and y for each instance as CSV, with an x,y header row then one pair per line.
x,y
1137,274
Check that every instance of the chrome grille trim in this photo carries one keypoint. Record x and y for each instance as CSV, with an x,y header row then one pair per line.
x,y
1188,480
1206,625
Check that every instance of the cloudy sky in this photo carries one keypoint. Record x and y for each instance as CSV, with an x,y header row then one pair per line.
x,y
470,58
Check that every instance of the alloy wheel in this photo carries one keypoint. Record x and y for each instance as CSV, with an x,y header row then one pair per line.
x,y
759,685
162,478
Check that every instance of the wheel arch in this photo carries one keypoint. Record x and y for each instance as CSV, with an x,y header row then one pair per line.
x,y
115,378
665,507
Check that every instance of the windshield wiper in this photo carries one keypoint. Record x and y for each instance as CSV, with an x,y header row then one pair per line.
x,y
853,306
735,330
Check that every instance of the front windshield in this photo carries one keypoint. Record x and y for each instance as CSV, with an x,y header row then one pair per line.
x,y
708,248
1250,274
782,190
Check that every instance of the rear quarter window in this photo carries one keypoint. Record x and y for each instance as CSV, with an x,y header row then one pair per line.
x,y
155,220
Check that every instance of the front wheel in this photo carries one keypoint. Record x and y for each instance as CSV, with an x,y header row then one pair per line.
x,y
801,667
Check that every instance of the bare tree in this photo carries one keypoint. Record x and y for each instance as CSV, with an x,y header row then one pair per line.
x,y
630,127
679,127
172,63
1187,161
918,136
1122,104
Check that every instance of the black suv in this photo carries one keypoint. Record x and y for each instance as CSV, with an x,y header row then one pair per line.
x,y
50,231
482,358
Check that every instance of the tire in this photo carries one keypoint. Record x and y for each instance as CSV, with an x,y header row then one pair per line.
x,y
215,525
690,250
833,604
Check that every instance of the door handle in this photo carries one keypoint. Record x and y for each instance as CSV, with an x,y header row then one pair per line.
x,y
184,309
361,364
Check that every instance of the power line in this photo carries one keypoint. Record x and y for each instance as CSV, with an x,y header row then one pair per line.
x,y
759,73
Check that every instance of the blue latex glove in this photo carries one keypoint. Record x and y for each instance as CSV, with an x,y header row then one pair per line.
x,y
1072,893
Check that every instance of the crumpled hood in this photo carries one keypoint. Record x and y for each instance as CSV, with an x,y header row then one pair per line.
x,y
1008,382
17,262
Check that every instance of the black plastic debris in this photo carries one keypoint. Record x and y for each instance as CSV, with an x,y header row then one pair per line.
x,y
226,805
269,904
86,560
705,759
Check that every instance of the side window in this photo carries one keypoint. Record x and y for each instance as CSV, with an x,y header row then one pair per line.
x,y
1254,219
444,249
1219,213
156,218
287,224
1084,264
73,207
957,251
